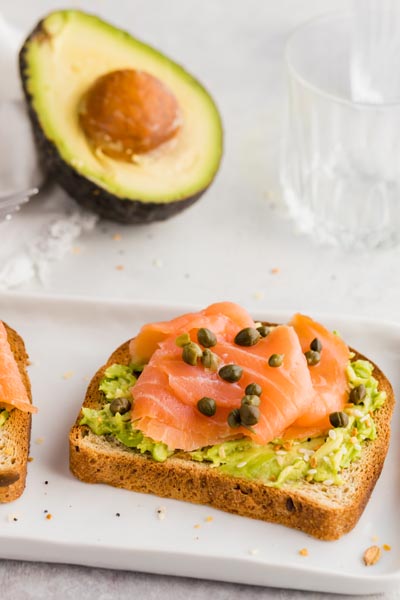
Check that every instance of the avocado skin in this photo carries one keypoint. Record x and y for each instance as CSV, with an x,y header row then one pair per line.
x,y
82,190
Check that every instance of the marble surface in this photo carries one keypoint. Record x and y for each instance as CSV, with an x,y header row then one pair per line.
x,y
234,244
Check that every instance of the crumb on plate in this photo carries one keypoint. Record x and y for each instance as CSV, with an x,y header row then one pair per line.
x,y
161,513
117,237
387,547
49,516
303,552
39,440
372,555
120,267
209,519
67,374
258,295
13,517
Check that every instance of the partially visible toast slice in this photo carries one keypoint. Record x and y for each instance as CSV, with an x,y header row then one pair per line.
x,y
325,512
15,433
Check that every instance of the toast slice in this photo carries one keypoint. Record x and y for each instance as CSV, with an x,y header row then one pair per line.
x,y
15,433
321,511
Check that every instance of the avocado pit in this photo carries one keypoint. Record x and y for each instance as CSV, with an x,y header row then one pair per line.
x,y
128,112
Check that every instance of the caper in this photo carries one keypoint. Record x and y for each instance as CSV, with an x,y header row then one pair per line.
x,y
253,389
251,400
234,418
182,340
316,345
247,337
231,373
313,357
207,406
209,360
191,352
358,394
249,415
206,338
263,330
275,360
120,405
339,419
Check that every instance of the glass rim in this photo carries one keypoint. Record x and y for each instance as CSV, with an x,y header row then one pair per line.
x,y
295,74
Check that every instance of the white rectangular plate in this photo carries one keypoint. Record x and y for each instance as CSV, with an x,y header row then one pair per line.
x,y
68,339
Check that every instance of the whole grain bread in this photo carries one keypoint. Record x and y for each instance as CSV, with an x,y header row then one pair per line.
x,y
15,433
325,512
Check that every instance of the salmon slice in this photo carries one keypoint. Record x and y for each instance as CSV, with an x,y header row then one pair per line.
x,y
13,393
287,390
328,376
167,392
222,318
159,414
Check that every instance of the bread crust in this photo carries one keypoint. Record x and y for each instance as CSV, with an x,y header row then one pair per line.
x,y
16,431
324,512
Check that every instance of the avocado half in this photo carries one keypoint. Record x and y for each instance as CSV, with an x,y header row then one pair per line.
x,y
65,53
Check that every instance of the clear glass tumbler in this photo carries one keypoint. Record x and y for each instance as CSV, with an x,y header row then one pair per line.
x,y
341,162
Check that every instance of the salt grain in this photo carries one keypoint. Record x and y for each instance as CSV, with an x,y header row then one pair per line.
x,y
221,452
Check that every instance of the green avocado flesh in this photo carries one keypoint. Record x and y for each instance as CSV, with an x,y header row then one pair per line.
x,y
63,57
4,414
319,458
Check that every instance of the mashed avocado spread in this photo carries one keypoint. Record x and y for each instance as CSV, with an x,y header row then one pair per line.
x,y
4,414
315,459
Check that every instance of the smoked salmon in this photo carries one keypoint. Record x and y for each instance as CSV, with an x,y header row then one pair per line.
x,y
13,392
296,396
